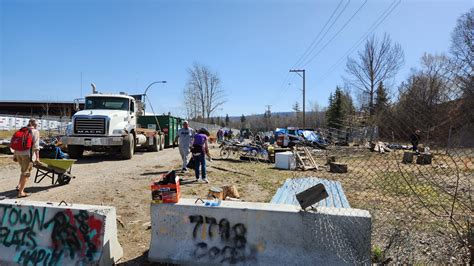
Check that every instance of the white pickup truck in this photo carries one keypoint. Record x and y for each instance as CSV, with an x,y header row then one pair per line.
x,y
109,123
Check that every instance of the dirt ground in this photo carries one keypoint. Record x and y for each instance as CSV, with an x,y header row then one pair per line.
x,y
103,179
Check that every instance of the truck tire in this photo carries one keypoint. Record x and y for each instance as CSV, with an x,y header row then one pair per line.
x,y
128,147
75,151
155,146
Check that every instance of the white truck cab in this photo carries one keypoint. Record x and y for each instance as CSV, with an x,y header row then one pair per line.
x,y
109,123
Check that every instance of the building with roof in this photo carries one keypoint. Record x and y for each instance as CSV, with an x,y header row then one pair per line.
x,y
38,108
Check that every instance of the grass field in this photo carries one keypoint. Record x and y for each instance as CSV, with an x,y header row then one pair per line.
x,y
418,211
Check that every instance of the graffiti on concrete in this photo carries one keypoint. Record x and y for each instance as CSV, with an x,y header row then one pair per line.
x,y
42,236
226,243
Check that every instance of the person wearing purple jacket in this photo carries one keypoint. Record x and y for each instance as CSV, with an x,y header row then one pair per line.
x,y
199,150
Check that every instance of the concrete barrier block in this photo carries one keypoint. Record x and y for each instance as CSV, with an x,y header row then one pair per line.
x,y
258,233
40,233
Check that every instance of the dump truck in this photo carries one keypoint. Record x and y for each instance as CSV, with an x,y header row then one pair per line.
x,y
109,123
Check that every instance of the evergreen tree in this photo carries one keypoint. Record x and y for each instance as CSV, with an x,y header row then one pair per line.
x,y
242,119
227,119
296,107
381,99
340,108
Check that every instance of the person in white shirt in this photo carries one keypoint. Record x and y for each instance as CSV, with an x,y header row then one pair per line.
x,y
185,139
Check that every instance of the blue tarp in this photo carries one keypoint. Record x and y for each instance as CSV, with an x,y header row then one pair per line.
x,y
280,131
313,137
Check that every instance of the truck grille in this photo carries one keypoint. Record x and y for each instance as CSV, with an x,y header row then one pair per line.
x,y
89,126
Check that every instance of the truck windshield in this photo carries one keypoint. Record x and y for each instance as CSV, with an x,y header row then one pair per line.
x,y
107,103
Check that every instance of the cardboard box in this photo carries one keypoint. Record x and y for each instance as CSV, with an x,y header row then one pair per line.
x,y
165,193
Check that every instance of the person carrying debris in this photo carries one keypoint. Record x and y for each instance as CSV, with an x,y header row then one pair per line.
x,y
415,139
200,149
220,135
184,139
25,143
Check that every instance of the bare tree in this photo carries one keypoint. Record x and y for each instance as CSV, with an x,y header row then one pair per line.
x,y
462,50
462,43
203,93
379,61
425,97
191,102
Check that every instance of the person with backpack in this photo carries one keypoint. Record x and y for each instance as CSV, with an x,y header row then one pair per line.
x,y
25,143
199,150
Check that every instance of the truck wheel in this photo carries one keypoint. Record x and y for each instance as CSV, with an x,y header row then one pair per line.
x,y
75,151
156,145
128,146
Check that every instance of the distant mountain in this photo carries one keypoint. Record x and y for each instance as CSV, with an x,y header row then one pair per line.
x,y
280,114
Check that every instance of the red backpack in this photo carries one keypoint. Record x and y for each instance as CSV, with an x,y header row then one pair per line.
x,y
22,140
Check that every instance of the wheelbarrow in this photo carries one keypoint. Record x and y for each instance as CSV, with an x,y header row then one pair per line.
x,y
54,168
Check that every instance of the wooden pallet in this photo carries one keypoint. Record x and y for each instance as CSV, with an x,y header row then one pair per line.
x,y
304,159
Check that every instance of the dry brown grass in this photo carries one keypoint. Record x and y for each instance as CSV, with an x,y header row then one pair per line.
x,y
407,202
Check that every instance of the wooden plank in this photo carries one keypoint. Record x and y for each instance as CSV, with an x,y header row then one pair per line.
x,y
312,195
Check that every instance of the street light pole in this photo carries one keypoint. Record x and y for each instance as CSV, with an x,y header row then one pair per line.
x,y
146,90
144,94
304,92
151,84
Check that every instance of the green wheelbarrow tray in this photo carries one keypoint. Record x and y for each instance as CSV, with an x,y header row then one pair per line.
x,y
59,168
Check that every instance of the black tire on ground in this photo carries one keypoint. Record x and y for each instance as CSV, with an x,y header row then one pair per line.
x,y
75,151
225,153
155,146
128,147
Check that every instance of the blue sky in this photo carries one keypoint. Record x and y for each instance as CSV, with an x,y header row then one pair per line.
x,y
124,45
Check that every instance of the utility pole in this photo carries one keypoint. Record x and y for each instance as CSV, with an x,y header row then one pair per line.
x,y
268,113
304,90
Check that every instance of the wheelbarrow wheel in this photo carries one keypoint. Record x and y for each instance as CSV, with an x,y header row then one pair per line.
x,y
64,179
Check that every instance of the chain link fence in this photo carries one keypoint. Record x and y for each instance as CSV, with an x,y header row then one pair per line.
x,y
412,169
52,124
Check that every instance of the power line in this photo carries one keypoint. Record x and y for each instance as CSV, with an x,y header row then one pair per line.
x,y
372,28
312,46
337,33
